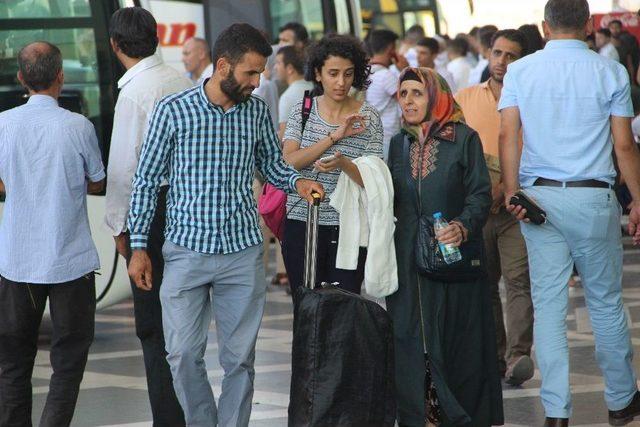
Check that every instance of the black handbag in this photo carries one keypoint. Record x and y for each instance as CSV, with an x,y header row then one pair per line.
x,y
428,256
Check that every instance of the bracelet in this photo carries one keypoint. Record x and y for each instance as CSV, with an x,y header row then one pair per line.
x,y
333,141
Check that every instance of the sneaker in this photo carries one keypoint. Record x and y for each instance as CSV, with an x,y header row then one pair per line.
x,y
626,415
519,371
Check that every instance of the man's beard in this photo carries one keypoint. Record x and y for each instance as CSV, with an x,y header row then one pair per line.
x,y
494,78
232,89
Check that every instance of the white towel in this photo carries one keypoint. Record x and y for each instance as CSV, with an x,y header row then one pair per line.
x,y
366,220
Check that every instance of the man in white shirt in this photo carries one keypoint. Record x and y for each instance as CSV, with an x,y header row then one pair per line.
x,y
428,50
289,68
147,80
458,65
604,45
408,46
268,91
485,37
196,57
381,93
49,160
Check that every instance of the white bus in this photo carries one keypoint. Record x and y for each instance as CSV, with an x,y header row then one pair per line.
x,y
80,29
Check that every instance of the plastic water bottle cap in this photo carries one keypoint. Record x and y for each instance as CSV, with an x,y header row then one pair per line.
x,y
437,215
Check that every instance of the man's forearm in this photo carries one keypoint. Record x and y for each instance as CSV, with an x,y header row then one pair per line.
x,y
629,163
509,150
2,190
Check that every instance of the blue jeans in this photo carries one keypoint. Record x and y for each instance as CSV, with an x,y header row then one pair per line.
x,y
234,285
583,227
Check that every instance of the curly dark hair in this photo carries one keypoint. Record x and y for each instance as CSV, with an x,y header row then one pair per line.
x,y
343,46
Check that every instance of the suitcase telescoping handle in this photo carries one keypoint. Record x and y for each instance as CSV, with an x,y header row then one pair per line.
x,y
311,243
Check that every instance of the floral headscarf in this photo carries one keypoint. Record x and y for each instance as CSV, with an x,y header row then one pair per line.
x,y
442,108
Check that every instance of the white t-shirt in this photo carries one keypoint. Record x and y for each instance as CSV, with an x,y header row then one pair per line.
x,y
635,127
268,91
476,73
289,98
610,51
448,77
381,94
460,70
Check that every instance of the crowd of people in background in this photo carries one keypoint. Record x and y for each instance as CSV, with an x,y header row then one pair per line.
x,y
445,116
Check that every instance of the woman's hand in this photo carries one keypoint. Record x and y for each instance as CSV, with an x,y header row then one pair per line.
x,y
353,125
451,235
331,165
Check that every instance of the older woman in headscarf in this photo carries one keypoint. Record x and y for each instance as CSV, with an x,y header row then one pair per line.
x,y
446,364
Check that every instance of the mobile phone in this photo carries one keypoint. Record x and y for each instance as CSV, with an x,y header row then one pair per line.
x,y
535,213
327,159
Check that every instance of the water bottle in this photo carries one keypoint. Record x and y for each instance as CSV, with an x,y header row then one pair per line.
x,y
449,252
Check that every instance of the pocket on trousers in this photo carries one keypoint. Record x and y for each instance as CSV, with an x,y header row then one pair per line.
x,y
600,216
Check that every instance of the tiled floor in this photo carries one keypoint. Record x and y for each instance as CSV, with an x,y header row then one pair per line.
x,y
114,387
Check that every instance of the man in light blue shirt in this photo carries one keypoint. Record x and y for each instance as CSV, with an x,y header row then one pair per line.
x,y
49,158
569,101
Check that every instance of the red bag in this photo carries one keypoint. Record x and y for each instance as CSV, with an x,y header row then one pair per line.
x,y
272,203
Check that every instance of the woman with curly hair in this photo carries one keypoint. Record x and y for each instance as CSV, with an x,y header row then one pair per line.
x,y
339,126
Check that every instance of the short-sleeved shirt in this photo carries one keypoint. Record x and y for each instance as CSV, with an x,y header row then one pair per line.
x,y
480,109
289,98
47,155
381,94
367,143
566,95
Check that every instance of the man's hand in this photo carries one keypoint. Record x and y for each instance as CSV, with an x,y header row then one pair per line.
x,y
121,244
518,211
140,269
400,61
305,187
497,194
634,222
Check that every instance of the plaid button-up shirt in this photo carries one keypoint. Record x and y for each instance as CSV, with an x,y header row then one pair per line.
x,y
209,157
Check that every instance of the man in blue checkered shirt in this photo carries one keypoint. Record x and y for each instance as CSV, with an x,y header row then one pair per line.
x,y
207,142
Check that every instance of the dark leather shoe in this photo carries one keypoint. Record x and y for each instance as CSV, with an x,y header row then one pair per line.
x,y
626,415
556,422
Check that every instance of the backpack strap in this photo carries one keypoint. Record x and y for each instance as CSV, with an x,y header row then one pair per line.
x,y
307,102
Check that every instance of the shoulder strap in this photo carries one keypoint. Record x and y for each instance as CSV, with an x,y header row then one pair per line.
x,y
306,107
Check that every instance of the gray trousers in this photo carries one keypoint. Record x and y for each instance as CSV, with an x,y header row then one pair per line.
x,y
507,257
234,286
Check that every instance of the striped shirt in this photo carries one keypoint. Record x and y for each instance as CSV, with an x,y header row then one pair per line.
x,y
367,143
209,158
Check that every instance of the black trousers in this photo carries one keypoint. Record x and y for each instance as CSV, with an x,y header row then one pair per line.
x,y
326,271
72,306
165,408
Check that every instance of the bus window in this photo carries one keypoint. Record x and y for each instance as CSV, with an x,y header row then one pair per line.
x,y
44,9
307,12
79,64
343,20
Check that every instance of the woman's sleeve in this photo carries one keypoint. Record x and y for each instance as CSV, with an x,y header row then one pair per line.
x,y
477,187
374,145
293,130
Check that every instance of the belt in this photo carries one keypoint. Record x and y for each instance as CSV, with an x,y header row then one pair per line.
x,y
589,183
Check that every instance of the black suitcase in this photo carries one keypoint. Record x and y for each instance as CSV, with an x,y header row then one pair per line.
x,y
342,359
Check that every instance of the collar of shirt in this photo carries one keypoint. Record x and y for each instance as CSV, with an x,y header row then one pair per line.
x,y
44,100
144,64
218,109
566,44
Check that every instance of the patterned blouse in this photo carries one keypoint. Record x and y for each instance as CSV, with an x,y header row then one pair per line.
x,y
368,143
